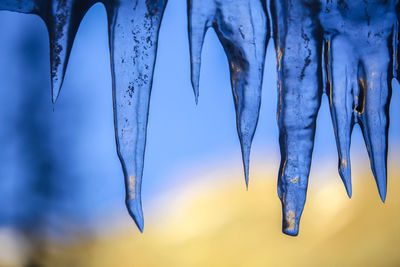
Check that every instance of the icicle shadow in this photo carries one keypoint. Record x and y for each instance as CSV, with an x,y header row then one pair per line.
x,y
298,38
359,63
242,27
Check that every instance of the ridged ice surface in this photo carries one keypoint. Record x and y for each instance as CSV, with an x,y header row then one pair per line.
x,y
244,36
133,34
298,46
348,49
358,58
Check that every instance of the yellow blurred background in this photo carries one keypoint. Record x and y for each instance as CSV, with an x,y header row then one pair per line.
x,y
216,222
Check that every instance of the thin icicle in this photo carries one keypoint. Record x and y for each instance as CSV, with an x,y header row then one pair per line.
x,y
341,104
62,18
243,29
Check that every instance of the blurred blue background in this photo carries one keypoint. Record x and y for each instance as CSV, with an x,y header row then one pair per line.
x,y
59,172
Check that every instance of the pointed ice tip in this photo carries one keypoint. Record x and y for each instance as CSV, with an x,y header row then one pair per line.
x,y
381,182
135,210
345,174
382,194
54,98
55,90
195,87
349,192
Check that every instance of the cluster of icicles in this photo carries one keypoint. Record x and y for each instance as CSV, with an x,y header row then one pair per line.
x,y
347,49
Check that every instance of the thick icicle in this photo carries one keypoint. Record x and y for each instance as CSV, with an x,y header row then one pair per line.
x,y
62,18
298,45
242,28
133,29
360,63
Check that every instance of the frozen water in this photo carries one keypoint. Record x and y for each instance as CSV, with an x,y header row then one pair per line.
x,y
133,30
133,35
346,49
298,45
244,36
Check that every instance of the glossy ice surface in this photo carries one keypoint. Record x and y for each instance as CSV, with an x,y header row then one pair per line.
x,y
346,49
244,36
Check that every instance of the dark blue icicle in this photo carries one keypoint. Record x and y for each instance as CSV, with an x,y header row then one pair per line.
x,y
360,65
341,103
243,29
62,18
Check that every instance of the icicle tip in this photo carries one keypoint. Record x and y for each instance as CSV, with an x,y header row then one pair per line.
x,y
135,211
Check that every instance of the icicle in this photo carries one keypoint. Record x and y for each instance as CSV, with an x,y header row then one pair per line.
x,y
357,41
133,29
298,47
341,104
360,63
62,18
243,30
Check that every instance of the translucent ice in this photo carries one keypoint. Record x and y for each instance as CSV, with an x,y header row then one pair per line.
x,y
298,44
62,19
133,35
346,48
358,48
133,30
243,30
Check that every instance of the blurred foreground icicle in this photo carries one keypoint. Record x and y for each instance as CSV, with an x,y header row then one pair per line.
x,y
242,27
133,35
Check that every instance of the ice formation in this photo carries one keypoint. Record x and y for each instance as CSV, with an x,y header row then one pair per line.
x,y
133,35
244,36
343,48
348,49
298,48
